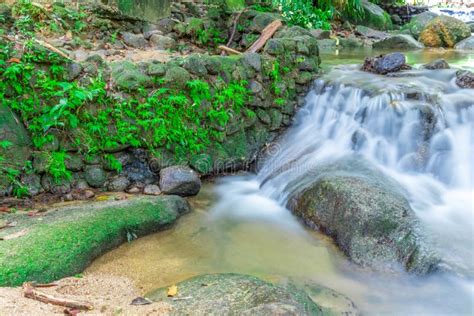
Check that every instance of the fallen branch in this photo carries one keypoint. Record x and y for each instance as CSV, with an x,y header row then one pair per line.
x,y
52,48
267,33
234,29
230,50
29,291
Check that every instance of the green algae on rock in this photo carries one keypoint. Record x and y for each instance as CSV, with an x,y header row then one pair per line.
x,y
67,239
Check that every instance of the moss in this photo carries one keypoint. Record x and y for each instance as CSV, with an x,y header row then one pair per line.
x,y
70,238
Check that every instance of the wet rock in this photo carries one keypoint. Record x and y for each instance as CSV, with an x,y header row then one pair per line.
x,y
95,176
366,213
444,31
400,41
128,76
419,22
437,64
228,294
134,40
152,189
466,44
385,64
118,184
370,33
465,79
179,180
162,42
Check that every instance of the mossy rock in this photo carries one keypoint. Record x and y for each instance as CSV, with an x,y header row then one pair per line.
x,y
128,76
237,294
67,239
177,76
444,31
418,23
18,152
373,16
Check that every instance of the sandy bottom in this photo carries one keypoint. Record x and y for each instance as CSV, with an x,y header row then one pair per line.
x,y
110,295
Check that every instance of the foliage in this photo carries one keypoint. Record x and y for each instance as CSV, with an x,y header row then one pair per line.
x,y
304,14
182,120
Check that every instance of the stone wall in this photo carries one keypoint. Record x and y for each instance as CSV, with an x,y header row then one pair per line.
x,y
293,52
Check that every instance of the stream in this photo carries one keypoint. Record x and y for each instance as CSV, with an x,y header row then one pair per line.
x,y
239,223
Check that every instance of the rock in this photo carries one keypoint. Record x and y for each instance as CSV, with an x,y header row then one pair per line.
x,y
32,182
196,64
95,176
370,33
320,34
18,152
73,162
162,42
444,31
261,20
465,79
60,187
179,180
255,87
396,19
156,69
73,70
437,64
419,22
276,119
263,116
236,294
254,60
128,76
351,42
327,44
118,184
399,41
177,76
385,64
374,17
466,44
365,212
134,40
152,189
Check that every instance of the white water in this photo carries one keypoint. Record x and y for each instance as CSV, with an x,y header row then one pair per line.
x,y
350,112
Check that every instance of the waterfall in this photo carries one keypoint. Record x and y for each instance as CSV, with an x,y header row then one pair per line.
x,y
417,127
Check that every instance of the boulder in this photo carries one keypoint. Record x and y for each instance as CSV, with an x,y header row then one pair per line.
x,y
118,184
162,42
444,31
365,212
95,176
320,34
399,41
177,76
465,79
327,44
16,150
236,294
134,40
370,33
419,22
261,20
437,64
151,189
374,17
466,44
179,180
385,64
128,76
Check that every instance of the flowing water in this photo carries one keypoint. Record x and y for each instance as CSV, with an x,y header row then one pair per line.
x,y
417,128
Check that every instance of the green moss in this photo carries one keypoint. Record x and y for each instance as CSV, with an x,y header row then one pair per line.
x,y
70,238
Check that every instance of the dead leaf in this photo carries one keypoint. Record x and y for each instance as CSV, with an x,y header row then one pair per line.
x,y
15,235
172,291
4,209
14,60
69,35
